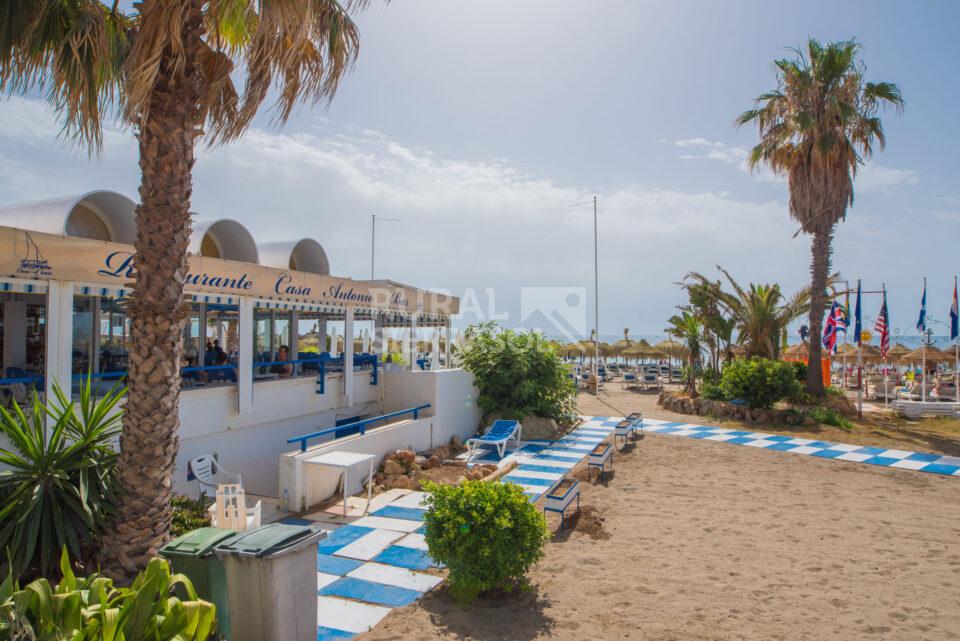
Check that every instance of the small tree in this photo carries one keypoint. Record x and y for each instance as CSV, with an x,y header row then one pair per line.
x,y
518,373
487,534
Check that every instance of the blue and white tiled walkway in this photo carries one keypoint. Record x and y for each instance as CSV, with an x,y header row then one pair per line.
x,y
904,459
370,566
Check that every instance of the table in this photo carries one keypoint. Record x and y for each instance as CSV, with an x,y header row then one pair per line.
x,y
344,461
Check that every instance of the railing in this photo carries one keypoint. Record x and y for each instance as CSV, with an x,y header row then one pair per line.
x,y
361,425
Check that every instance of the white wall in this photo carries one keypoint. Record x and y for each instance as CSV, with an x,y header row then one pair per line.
x,y
451,394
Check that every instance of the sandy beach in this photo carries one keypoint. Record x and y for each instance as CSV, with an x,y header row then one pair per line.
x,y
703,540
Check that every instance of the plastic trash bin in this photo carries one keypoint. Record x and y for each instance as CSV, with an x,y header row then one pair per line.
x,y
192,554
272,579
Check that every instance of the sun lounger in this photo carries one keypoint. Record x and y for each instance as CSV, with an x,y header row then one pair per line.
x,y
629,380
499,435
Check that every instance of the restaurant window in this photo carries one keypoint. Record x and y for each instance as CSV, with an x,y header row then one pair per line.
x,y
211,345
273,347
101,335
83,354
23,336
114,336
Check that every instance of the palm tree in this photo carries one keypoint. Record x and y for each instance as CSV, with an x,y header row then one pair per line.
x,y
759,312
688,329
167,70
817,127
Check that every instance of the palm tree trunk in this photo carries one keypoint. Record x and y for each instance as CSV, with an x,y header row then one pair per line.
x,y
819,273
149,442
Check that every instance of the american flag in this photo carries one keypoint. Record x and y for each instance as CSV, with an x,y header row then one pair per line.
x,y
883,327
834,322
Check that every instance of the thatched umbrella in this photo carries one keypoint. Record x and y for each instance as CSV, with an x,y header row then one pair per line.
x,y
897,352
869,354
794,352
672,349
846,348
618,348
934,355
641,351
572,349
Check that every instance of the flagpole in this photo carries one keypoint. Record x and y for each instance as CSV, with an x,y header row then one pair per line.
x,y
886,370
845,333
923,343
956,351
859,361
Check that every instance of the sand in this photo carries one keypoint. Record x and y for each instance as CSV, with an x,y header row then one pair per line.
x,y
715,541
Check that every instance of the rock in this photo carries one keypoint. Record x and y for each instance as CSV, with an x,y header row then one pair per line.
x,y
393,467
441,452
433,461
461,479
809,421
455,442
379,477
405,457
540,428
400,482
420,460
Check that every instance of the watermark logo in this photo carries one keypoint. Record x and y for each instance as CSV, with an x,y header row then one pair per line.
x,y
33,263
556,311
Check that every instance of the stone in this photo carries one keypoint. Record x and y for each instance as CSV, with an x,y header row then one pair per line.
x,y
405,457
540,428
420,460
379,477
461,479
392,468
432,462
809,421
455,442
441,452
400,482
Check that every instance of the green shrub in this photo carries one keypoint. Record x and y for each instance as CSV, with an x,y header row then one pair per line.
x,y
712,392
829,416
835,392
57,489
800,370
92,608
711,375
760,382
487,534
188,514
518,373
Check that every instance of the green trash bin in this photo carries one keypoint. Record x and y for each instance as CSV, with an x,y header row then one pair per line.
x,y
192,554
272,572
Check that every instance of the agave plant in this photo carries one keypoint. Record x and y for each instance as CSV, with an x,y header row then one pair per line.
x,y
94,608
57,488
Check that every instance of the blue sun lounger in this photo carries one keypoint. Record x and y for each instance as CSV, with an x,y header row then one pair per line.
x,y
498,435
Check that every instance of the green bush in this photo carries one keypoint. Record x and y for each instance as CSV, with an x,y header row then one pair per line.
x,y
829,416
188,514
487,534
711,375
800,370
57,490
760,382
92,608
836,392
712,392
518,373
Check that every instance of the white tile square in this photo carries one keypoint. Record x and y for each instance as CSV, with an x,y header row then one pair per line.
x,y
804,449
350,616
719,437
948,460
761,443
370,545
684,432
547,476
399,577
324,579
843,447
413,540
532,489
385,523
901,454
910,465
413,499
800,441
853,456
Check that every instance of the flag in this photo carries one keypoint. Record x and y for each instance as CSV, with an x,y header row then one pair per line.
x,y
922,321
954,315
831,328
858,320
846,313
883,327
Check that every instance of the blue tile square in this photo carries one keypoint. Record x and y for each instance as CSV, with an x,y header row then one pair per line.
x,y
533,467
881,460
341,537
940,468
330,634
337,565
402,557
293,520
828,453
873,451
740,440
920,456
674,424
394,512
781,447
380,593
738,433
779,438
703,434
821,444
514,477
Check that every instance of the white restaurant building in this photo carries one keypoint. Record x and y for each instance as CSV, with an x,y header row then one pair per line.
x,y
65,269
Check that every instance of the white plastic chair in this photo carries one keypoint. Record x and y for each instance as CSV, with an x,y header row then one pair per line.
x,y
230,510
209,472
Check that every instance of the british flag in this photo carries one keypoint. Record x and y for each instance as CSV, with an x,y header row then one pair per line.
x,y
834,322
883,327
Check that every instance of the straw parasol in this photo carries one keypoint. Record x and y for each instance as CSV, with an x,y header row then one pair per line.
x,y
618,348
897,352
672,349
846,348
571,349
934,355
869,353
795,352
642,351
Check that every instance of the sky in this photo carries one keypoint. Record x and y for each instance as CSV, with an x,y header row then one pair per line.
x,y
478,123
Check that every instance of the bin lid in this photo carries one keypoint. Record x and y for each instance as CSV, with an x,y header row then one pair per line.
x,y
272,539
197,543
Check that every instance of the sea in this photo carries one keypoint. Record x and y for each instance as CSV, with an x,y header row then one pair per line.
x,y
911,342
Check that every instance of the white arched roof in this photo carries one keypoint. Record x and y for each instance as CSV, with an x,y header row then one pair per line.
x,y
230,240
304,255
82,215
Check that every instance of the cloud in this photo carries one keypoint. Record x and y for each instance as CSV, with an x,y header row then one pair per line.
x,y
876,178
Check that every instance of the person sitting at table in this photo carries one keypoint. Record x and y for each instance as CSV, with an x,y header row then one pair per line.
x,y
283,370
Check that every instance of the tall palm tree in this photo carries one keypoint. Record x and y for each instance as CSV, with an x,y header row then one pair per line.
x,y
759,312
688,329
817,127
167,69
